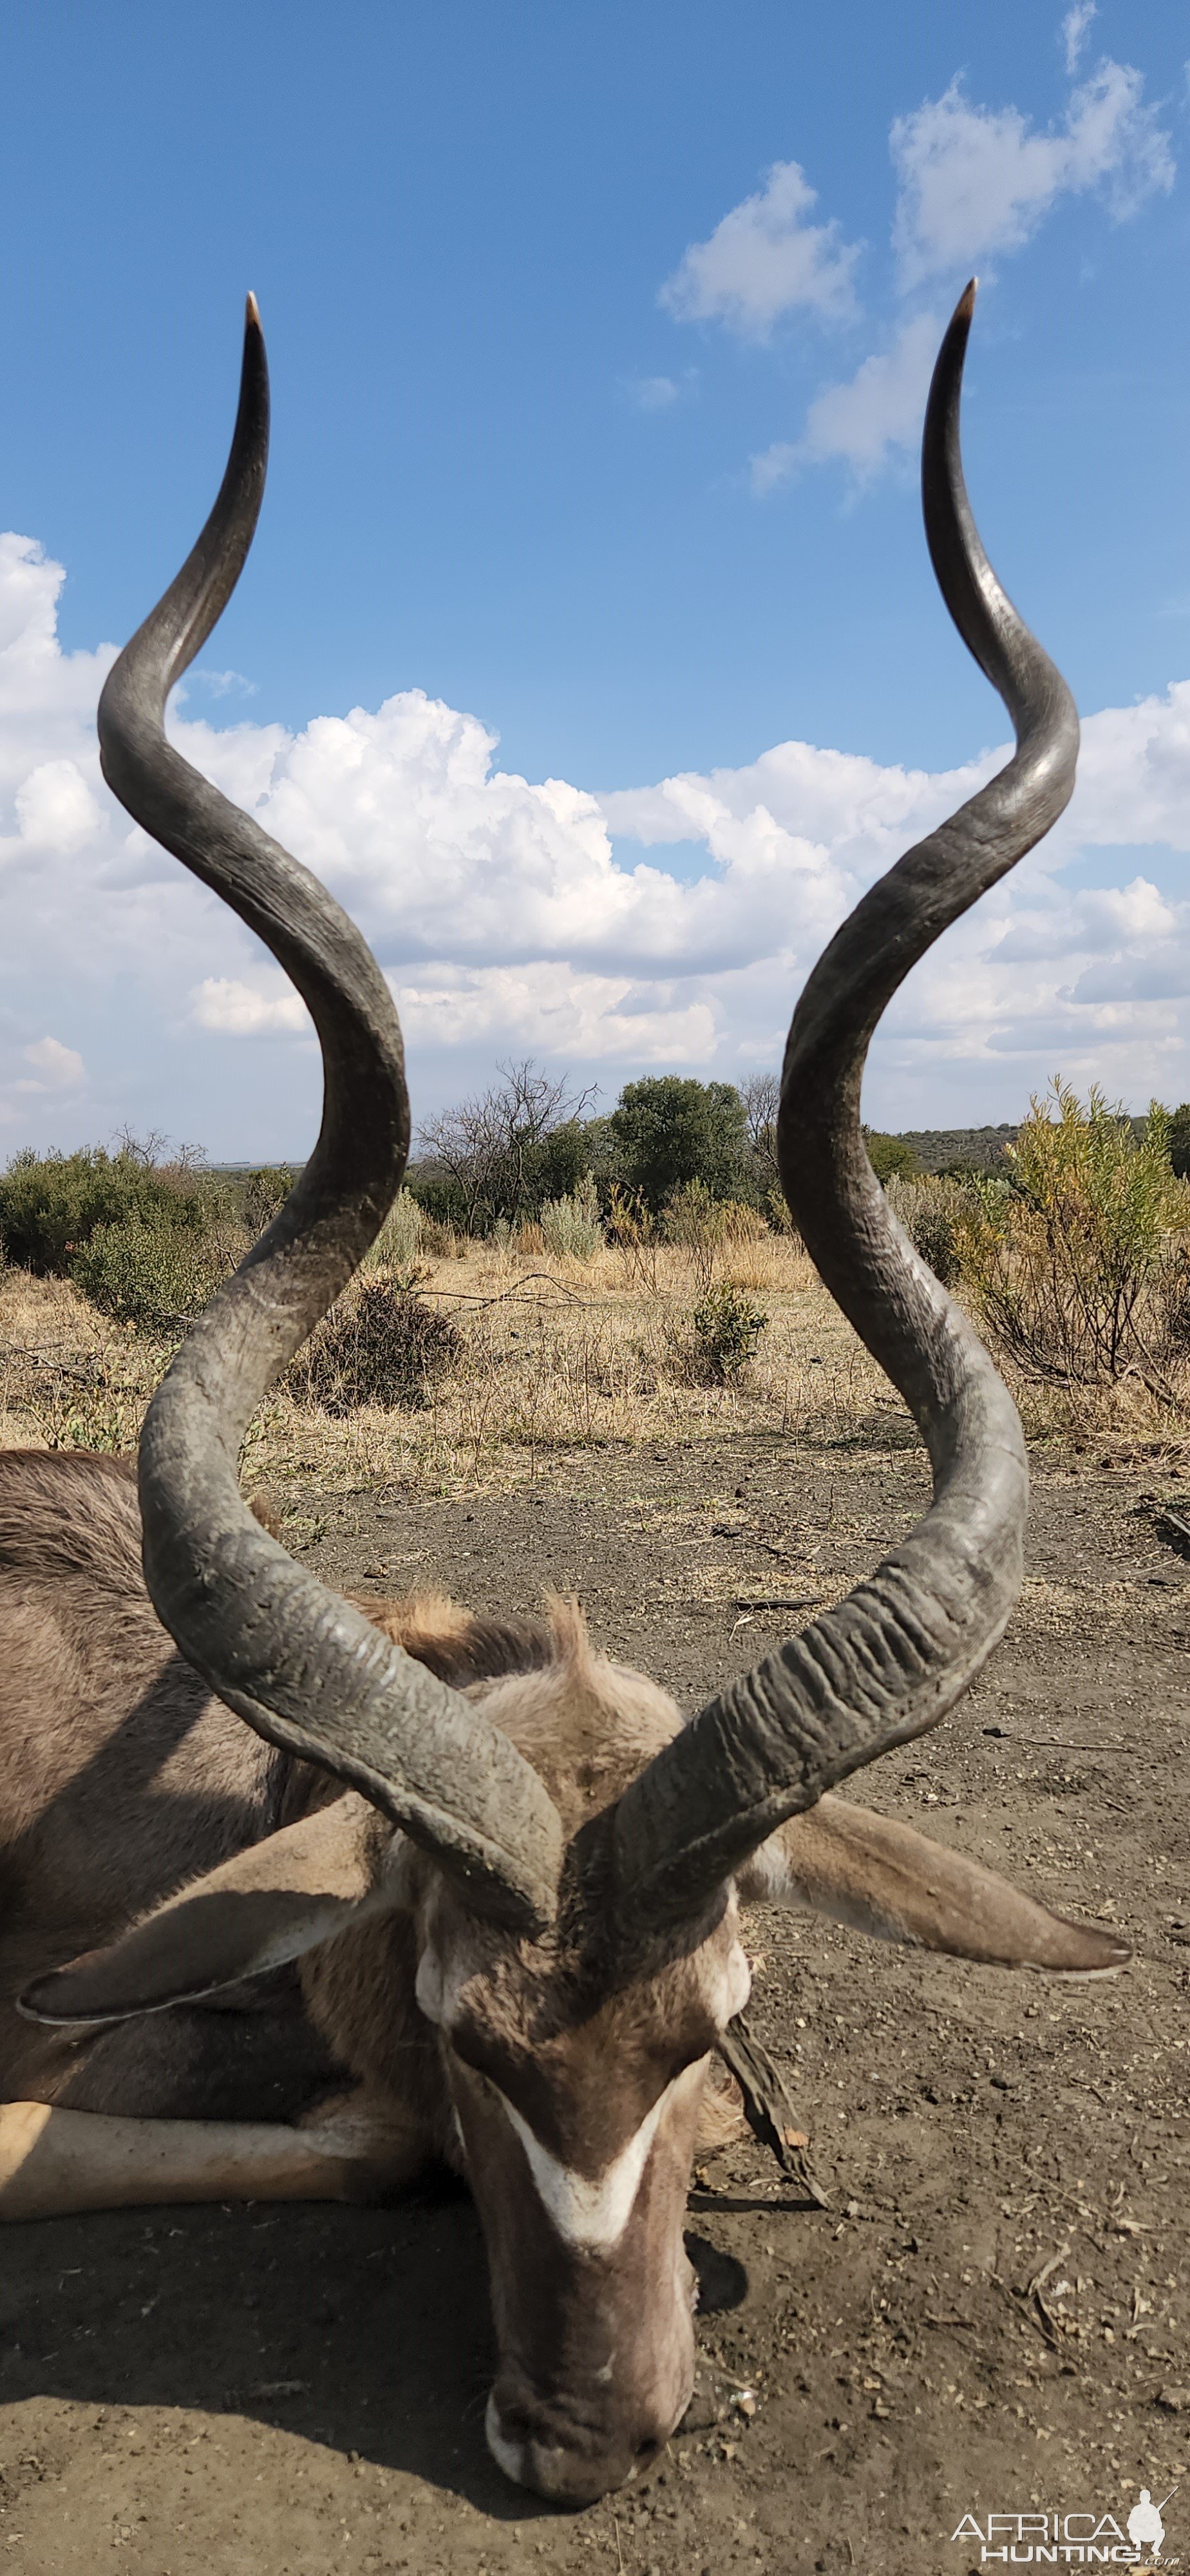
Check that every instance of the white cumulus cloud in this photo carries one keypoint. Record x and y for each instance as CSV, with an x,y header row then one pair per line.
x,y
57,1067
651,393
514,916
766,258
242,1010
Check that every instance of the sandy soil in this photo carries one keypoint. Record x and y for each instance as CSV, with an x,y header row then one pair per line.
x,y
197,2393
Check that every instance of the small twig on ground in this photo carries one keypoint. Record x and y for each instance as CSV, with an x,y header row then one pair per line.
x,y
512,1296
769,2112
1054,1743
1173,1526
1036,2286
1022,2307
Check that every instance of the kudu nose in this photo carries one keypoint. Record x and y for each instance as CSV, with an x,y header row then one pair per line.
x,y
563,2458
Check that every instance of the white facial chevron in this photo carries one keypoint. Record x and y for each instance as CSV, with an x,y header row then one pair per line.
x,y
594,2211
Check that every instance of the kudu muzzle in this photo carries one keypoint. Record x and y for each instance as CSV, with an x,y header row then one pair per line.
x,y
592,2298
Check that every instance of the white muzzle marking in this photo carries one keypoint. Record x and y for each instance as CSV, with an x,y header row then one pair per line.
x,y
593,2211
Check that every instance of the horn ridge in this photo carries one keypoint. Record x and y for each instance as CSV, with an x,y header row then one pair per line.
x,y
890,1661
303,1668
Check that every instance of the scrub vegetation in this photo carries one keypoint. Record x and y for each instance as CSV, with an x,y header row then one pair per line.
x,y
619,1279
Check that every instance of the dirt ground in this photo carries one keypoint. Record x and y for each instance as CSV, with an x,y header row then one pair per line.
x,y
990,2317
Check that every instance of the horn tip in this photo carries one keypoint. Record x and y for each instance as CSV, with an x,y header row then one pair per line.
x,y
251,312
966,303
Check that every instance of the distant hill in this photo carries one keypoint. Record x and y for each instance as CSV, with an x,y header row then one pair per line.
x,y
937,1148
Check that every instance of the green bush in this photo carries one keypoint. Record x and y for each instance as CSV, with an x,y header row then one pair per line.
x,y
150,1272
380,1344
725,1329
52,1204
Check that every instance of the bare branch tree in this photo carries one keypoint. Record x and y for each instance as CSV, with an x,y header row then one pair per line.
x,y
487,1146
761,1095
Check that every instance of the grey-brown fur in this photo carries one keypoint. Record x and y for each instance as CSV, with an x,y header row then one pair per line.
x,y
122,1778
432,2029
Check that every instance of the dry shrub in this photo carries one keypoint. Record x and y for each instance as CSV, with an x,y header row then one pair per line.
x,y
1078,1264
632,1229
442,1242
69,1379
740,1223
263,1194
79,1404
695,1223
570,1226
769,1267
381,1344
932,1213
780,1214
401,1236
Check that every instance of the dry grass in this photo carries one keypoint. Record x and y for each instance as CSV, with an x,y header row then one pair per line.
x,y
558,1356
70,1378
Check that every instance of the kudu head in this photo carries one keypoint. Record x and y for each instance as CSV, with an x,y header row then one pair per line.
x,y
575,1919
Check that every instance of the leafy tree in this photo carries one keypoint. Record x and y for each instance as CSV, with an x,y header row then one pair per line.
x,y
557,1164
889,1154
670,1131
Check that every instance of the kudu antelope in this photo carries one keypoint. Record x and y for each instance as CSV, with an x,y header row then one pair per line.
x,y
508,1873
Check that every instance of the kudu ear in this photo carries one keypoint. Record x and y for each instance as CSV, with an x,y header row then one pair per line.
x,y
884,1879
265,1906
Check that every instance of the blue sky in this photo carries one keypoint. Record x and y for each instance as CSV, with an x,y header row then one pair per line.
x,y
599,338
